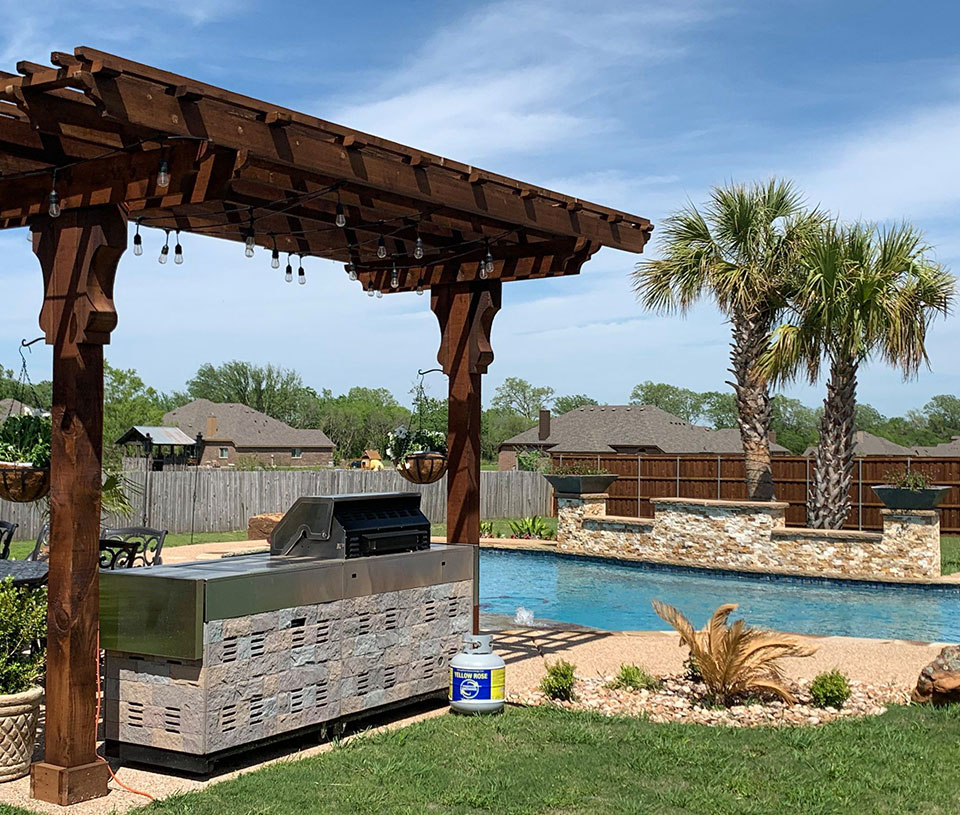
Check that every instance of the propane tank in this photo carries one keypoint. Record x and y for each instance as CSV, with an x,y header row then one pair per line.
x,y
477,677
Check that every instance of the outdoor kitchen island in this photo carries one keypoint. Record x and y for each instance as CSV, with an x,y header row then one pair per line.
x,y
351,612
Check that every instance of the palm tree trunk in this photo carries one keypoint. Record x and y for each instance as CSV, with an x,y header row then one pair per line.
x,y
750,335
828,504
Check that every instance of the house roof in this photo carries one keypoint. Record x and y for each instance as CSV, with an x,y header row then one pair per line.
x,y
242,425
373,455
158,435
867,444
607,428
947,448
14,407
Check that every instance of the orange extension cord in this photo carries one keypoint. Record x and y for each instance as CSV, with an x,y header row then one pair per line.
x,y
97,724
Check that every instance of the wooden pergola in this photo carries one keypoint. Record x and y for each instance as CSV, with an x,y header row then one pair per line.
x,y
95,141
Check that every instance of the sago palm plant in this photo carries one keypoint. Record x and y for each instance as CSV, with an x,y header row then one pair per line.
x,y
862,291
735,660
739,251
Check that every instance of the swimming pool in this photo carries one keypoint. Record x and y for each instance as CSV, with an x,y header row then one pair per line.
x,y
616,597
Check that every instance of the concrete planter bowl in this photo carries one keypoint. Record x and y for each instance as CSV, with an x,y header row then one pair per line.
x,y
18,732
898,498
581,484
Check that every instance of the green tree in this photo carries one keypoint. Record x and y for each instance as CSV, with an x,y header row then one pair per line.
x,y
942,415
864,292
720,409
564,404
496,426
270,389
360,419
520,397
794,423
739,251
686,404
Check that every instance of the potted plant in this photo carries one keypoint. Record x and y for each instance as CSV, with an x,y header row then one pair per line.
x,y
25,458
23,625
579,478
910,490
419,455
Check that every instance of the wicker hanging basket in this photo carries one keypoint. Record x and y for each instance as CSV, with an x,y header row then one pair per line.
x,y
423,467
22,483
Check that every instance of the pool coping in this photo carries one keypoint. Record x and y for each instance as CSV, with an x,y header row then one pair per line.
x,y
948,584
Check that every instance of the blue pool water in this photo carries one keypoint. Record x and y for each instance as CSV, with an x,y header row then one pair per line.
x,y
617,597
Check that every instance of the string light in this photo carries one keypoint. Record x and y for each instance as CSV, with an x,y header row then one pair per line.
x,y
370,289
420,287
352,270
341,219
275,257
163,173
137,241
288,273
486,267
178,251
381,248
418,247
165,249
379,294
53,200
301,274
394,277
251,243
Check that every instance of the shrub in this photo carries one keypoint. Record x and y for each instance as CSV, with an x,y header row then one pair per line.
x,y
534,527
532,461
830,689
26,438
486,529
633,677
558,683
23,625
578,468
735,660
914,480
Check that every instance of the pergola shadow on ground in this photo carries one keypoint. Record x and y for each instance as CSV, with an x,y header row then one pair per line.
x,y
95,140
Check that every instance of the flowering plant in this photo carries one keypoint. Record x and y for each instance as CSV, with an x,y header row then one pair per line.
x,y
404,440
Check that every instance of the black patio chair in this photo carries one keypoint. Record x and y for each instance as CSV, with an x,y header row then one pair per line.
x,y
41,550
149,546
6,535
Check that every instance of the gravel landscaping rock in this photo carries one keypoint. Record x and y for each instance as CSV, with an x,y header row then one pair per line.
x,y
681,700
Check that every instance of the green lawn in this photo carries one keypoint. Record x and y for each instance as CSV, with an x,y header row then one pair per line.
x,y
501,528
552,761
949,554
20,549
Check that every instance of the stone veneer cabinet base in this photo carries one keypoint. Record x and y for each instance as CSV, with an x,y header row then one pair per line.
x,y
283,674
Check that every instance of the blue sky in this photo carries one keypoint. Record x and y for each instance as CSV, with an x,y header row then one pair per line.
x,y
634,105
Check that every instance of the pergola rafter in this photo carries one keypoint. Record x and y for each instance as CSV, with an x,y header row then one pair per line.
x,y
95,128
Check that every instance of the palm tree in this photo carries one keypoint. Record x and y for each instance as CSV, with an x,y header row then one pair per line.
x,y
863,291
740,251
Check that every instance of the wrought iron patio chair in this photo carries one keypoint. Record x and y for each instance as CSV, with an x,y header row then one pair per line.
x,y
6,535
149,545
41,550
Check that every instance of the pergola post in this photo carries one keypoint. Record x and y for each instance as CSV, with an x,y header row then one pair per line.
x,y
78,254
465,312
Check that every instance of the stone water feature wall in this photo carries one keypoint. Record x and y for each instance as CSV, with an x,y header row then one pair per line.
x,y
752,536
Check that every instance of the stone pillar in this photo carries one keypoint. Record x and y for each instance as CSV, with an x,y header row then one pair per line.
x,y
571,510
913,535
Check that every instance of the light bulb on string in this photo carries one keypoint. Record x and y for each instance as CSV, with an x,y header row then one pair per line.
x,y
370,289
341,219
418,248
486,268
379,294
251,244
420,288
53,200
394,277
352,270
288,273
163,174
275,256
165,249
137,241
178,251
301,274
381,248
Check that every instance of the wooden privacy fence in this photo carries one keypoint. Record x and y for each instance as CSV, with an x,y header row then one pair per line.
x,y
223,500
722,477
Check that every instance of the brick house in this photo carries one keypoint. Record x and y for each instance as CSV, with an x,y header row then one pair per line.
x,y
607,429
231,431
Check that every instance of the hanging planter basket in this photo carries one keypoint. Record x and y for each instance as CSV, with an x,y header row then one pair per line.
x,y
23,483
423,467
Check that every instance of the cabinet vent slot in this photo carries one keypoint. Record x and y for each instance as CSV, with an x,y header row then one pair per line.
x,y
391,619
135,714
390,676
364,681
228,718
430,611
322,692
231,645
171,719
297,698
323,632
258,644
365,624
257,708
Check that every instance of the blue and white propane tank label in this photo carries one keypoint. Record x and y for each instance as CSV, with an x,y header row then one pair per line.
x,y
476,684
